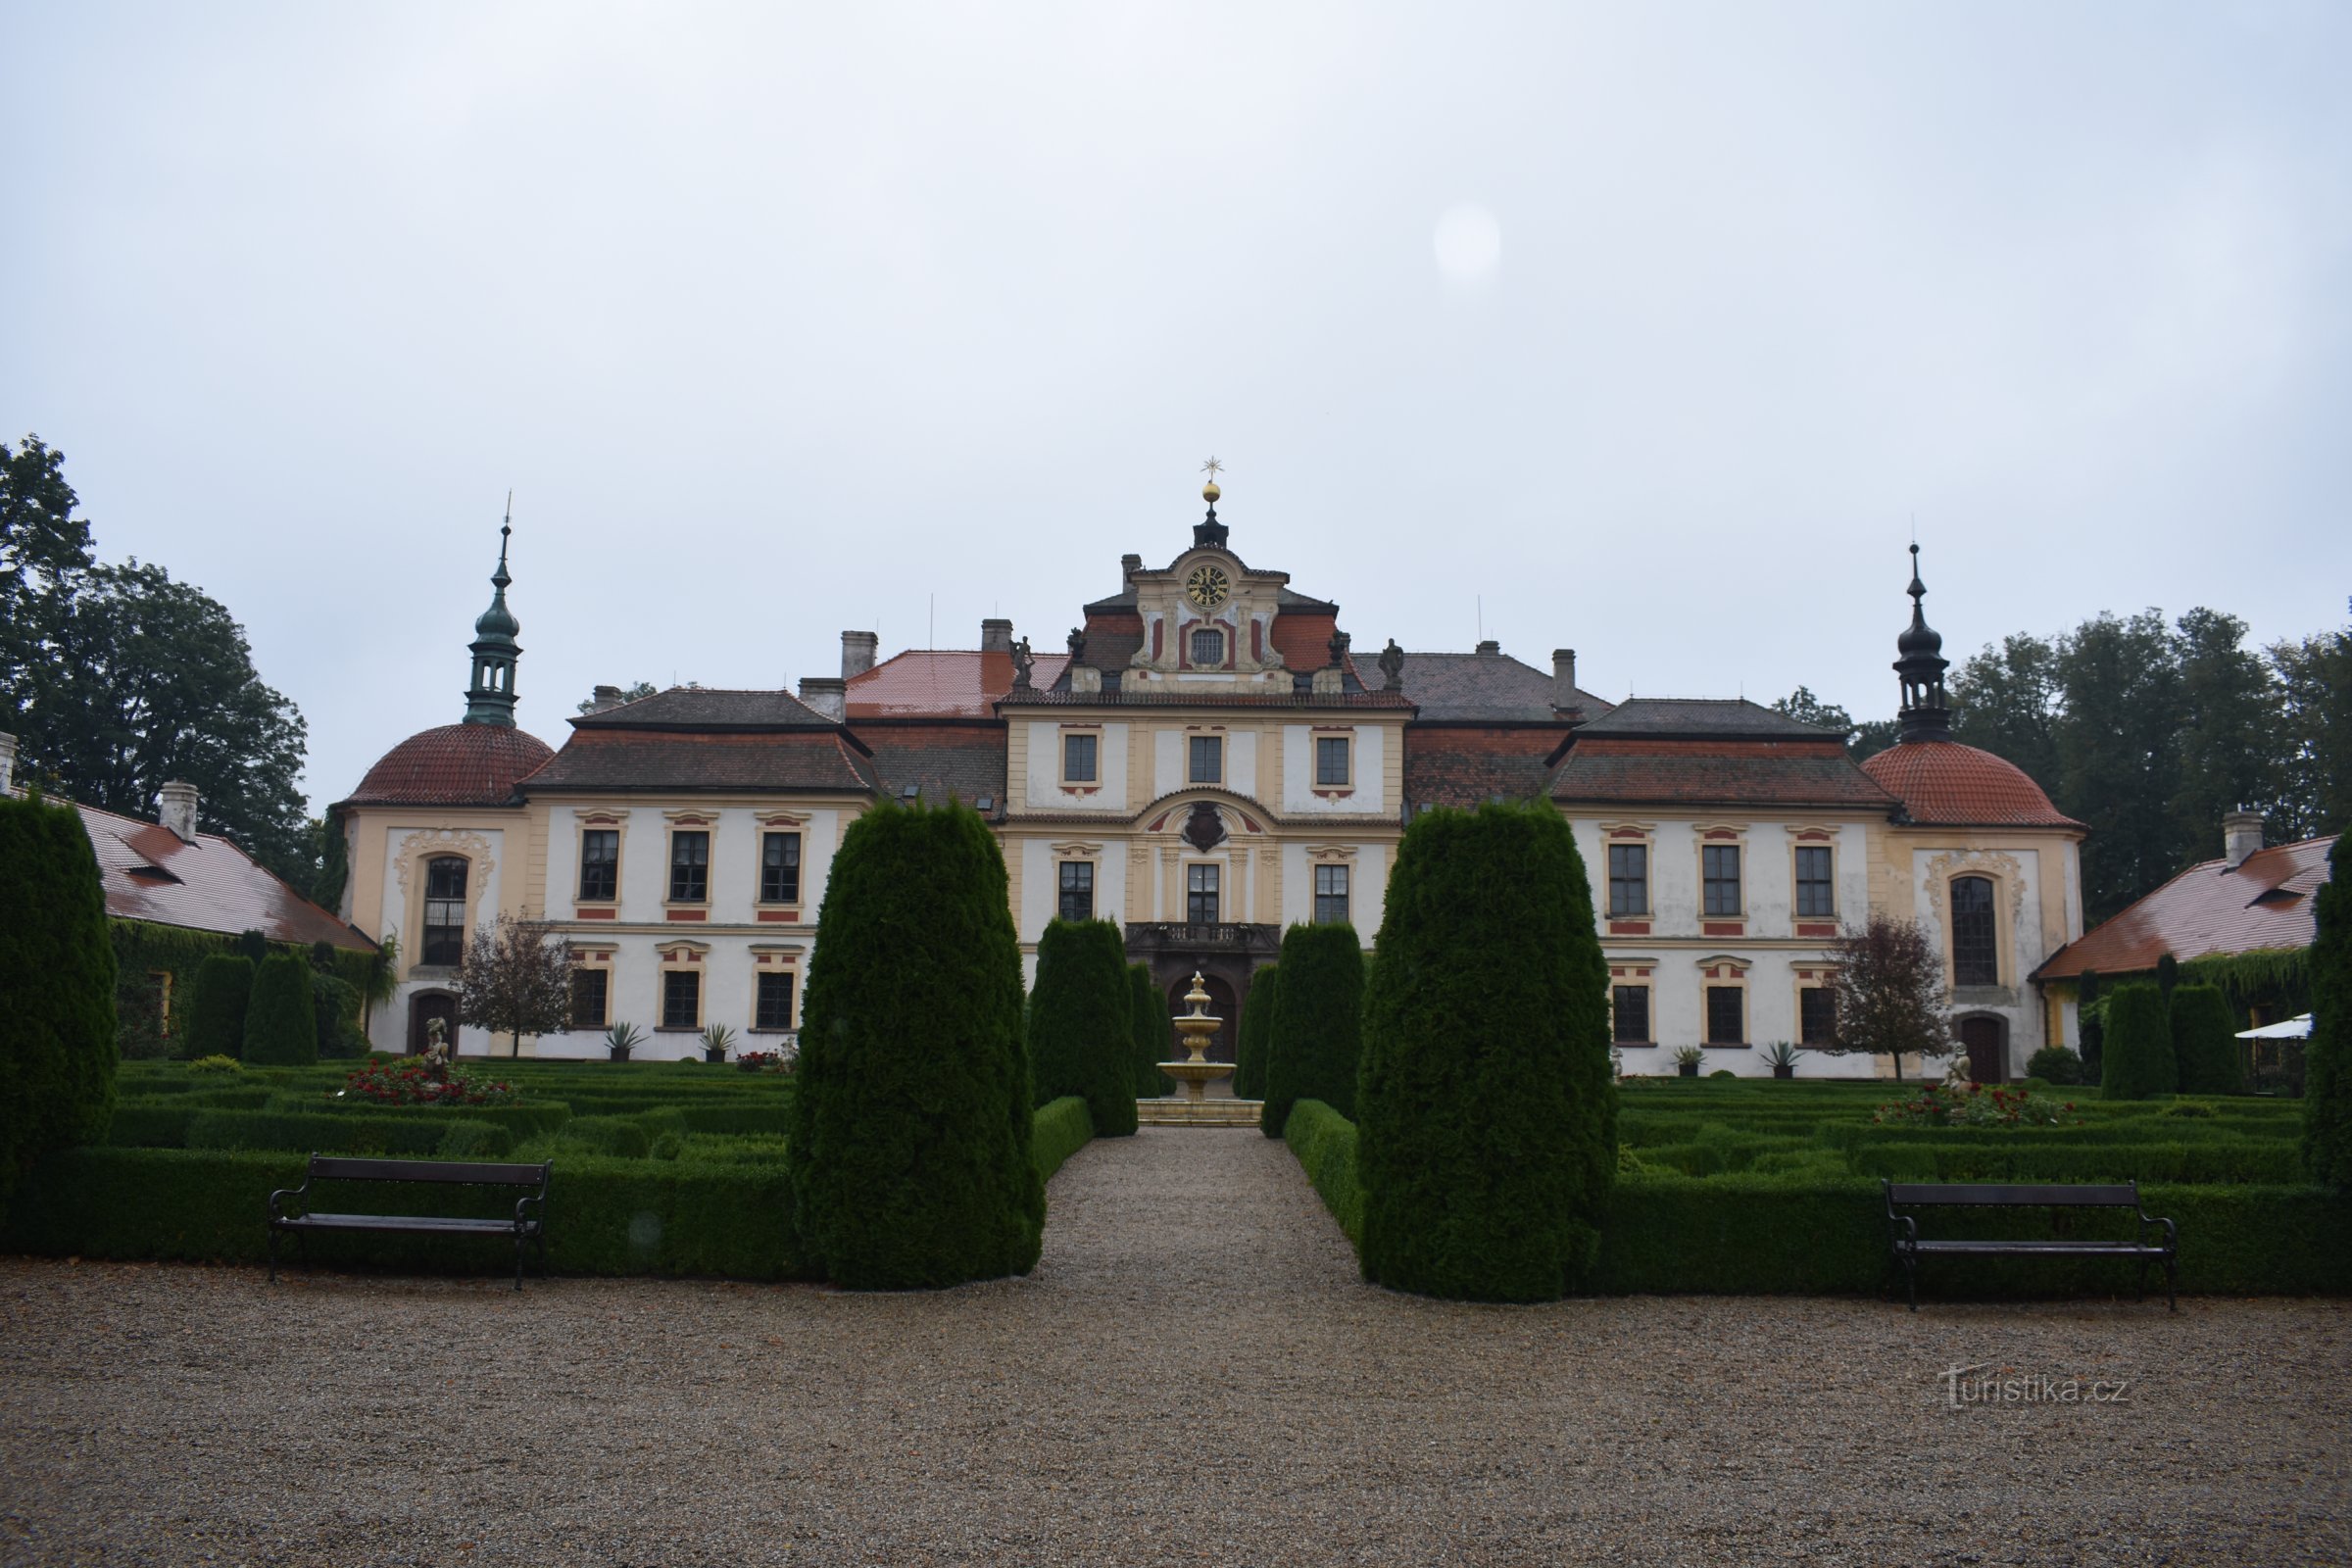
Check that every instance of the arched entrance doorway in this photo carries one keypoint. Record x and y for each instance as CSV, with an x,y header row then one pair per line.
x,y
1221,1004
424,1006
1986,1039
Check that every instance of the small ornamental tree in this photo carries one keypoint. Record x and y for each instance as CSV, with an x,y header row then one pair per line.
x,y
2090,1025
2139,1045
1486,1117
909,1152
2328,1057
216,1008
1319,1019
2205,1042
2168,974
1149,1010
516,981
281,1022
57,979
1082,1022
1890,992
1256,1043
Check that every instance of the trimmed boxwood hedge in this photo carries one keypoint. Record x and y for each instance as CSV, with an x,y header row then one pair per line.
x,y
1325,1142
1063,1128
2138,1054
281,1018
2205,1042
333,1133
216,1007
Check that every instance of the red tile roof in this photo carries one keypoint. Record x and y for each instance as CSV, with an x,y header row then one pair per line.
x,y
1663,771
1467,767
942,683
1945,784
966,762
456,764
2208,908
630,759
211,885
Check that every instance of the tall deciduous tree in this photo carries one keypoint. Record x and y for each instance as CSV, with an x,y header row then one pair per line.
x,y
516,980
2004,700
1890,992
2315,677
44,549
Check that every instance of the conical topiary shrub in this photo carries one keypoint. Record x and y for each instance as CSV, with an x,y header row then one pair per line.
x,y
910,1125
2327,1057
1257,1034
281,1021
2138,1056
57,987
1318,1023
2205,1042
216,1008
1149,1010
1486,1118
1082,1022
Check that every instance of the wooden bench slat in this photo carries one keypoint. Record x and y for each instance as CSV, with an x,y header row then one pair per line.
x,y
2014,1194
475,1173
2078,1249
406,1223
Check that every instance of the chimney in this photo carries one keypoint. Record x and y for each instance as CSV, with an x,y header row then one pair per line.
x,y
2241,836
1129,565
604,697
1563,677
827,694
176,810
858,651
8,765
995,636
1490,648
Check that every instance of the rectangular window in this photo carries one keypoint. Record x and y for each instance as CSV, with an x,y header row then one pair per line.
x,y
779,869
1629,879
1331,761
444,944
600,865
1208,648
591,997
690,867
1816,1016
1727,1015
772,1008
1976,951
1077,890
681,999
1721,868
1816,895
1078,757
1331,895
1629,1008
1209,759
1200,894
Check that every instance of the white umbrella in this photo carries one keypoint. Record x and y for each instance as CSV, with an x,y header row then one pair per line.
x,y
2292,1029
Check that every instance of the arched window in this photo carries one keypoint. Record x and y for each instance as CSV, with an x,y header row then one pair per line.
x,y
1208,647
444,911
1976,957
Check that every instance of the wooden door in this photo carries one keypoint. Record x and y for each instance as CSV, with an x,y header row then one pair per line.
x,y
1986,1041
426,1006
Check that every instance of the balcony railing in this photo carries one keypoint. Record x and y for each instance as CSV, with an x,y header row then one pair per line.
x,y
1232,936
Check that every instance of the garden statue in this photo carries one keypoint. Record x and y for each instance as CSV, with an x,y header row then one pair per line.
x,y
436,1047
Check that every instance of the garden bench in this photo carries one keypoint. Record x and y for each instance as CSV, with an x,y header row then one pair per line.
x,y
526,1227
1909,1249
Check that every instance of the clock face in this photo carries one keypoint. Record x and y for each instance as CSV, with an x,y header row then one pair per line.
x,y
1208,586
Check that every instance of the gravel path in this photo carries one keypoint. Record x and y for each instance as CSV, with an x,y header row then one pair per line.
x,y
1194,1374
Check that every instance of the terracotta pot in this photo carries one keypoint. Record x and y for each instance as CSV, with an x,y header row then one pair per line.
x,y
1687,1069
1789,1071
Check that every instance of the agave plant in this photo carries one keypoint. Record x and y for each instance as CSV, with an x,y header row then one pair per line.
x,y
623,1038
1781,1053
718,1041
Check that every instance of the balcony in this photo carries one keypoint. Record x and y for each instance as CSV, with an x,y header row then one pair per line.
x,y
1145,938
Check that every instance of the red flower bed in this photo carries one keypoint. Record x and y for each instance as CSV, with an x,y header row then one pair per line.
x,y
418,1082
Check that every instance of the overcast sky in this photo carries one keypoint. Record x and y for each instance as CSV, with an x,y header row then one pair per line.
x,y
1652,326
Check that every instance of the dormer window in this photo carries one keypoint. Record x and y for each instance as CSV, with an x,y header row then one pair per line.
x,y
1208,647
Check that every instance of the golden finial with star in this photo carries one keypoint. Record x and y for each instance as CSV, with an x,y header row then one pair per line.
x,y
1209,492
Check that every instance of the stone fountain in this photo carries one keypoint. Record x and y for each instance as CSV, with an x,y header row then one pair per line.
x,y
1196,1072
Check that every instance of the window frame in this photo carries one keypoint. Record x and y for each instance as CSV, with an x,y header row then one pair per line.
x,y
671,974
1345,745
462,900
1093,777
1193,643
797,864
1650,1015
611,865
677,837
1826,882
1192,753
602,976
1630,848
1709,882
1708,990
1990,914
1342,898
792,1001
1194,872
1806,990
1064,888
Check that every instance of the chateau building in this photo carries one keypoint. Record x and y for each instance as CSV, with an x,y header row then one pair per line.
x,y
1208,762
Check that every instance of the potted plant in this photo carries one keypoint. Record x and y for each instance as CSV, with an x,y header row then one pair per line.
x,y
1687,1060
718,1041
622,1038
1783,1056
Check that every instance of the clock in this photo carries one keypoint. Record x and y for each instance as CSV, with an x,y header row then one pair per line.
x,y
1208,586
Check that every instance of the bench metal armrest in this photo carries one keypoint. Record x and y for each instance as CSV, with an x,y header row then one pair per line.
x,y
2172,1231
301,1193
522,1205
1902,1230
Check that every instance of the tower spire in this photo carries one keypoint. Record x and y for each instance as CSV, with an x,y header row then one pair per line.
x,y
1209,531
1920,666
490,700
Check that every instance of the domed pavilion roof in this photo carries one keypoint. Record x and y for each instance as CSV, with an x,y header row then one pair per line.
x,y
453,765
1945,784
